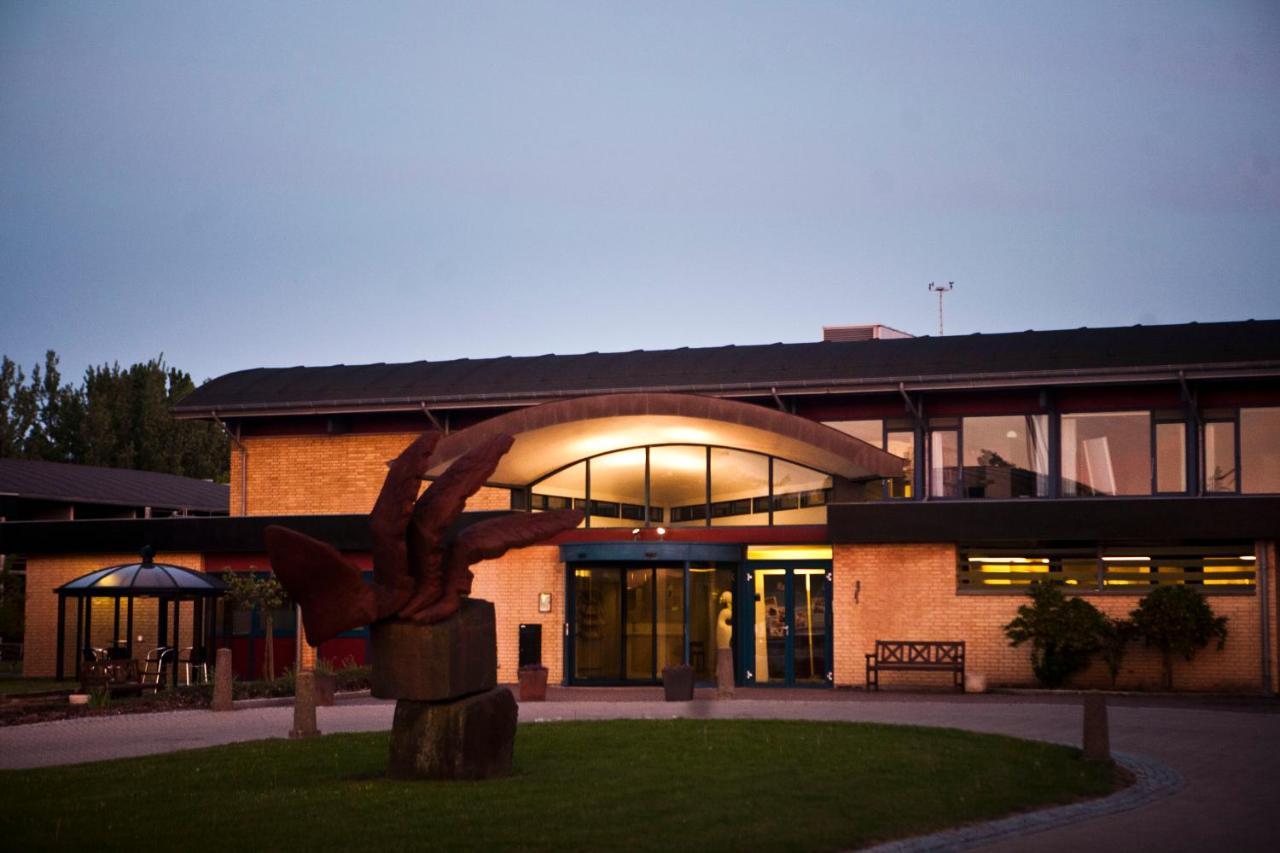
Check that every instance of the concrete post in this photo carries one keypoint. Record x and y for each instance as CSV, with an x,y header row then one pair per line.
x,y
222,681
304,705
1097,735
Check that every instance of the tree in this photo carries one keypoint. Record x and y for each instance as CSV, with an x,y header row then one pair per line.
x,y
248,592
118,418
1063,633
1113,641
1177,620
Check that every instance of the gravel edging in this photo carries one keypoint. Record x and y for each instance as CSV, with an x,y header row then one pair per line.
x,y
1152,780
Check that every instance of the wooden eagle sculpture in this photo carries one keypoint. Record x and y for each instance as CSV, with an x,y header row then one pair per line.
x,y
418,574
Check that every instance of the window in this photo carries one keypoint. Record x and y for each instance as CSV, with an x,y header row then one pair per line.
x,y
1171,457
895,437
1106,453
1002,456
672,480
1260,450
1221,570
1219,450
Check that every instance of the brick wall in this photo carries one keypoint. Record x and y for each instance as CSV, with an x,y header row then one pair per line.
x,y
45,573
512,582
325,474
907,592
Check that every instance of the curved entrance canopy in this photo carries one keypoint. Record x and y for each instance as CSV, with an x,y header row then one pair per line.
x,y
554,435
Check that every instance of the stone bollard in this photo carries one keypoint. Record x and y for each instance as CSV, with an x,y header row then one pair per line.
x,y
724,673
222,681
304,705
1097,736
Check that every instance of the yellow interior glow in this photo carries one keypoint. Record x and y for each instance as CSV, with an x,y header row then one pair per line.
x,y
788,552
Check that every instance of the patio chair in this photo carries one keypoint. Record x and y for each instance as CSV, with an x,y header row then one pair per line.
x,y
193,659
153,667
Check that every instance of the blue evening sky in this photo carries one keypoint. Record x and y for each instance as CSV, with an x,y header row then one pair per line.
x,y
247,184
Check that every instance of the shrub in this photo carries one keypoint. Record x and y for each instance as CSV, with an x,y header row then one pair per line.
x,y
1178,621
1114,636
1063,633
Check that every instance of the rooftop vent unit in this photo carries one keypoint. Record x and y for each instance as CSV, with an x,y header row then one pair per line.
x,y
864,332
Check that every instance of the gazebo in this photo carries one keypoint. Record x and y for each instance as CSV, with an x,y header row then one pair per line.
x,y
170,585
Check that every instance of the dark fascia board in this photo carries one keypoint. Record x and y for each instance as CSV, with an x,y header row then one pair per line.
x,y
237,534
1146,520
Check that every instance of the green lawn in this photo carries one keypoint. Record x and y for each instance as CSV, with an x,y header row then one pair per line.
x,y
10,686
626,785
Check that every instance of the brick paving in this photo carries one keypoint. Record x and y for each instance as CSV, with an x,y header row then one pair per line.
x,y
1207,774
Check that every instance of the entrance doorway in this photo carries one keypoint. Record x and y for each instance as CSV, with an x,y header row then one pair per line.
x,y
790,641
627,623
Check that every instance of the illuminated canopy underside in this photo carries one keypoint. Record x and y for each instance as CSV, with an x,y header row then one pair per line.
x,y
557,434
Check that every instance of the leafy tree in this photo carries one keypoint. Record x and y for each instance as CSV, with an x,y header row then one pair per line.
x,y
248,592
1177,620
1063,633
118,418
1113,641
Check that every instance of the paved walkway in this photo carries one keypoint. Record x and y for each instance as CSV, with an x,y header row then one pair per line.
x,y
1228,797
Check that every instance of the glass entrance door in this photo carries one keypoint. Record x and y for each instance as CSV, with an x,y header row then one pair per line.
x,y
791,625
628,624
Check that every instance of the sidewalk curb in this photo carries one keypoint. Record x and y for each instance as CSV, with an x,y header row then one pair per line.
x,y
1152,781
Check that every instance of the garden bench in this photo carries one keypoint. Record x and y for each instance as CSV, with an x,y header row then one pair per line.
x,y
916,656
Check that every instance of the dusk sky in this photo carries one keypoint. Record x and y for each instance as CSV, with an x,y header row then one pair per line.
x,y
244,185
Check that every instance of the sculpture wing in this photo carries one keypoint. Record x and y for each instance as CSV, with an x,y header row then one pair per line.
x,y
326,585
488,540
389,519
437,509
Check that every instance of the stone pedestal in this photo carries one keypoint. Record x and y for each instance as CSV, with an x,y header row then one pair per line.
x,y
222,681
470,738
1097,734
724,673
452,720
304,705
435,663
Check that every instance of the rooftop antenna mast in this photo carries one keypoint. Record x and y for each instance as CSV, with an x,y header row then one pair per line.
x,y
941,290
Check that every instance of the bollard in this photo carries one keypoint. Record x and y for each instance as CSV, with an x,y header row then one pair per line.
x,y
222,681
304,705
1097,736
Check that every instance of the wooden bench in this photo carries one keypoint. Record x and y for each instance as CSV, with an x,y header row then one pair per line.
x,y
916,656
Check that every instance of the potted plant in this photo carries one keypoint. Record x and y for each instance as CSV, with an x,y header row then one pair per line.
x,y
533,682
677,682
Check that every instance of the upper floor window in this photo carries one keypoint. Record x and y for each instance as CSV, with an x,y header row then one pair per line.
x,y
896,437
686,486
1241,451
1106,453
1001,456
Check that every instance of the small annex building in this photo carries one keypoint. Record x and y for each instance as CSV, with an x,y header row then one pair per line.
x,y
827,495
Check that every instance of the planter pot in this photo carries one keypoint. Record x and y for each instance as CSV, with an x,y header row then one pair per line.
x,y
78,698
326,686
677,683
975,682
533,683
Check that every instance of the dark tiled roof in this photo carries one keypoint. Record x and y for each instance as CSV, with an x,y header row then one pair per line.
x,y
741,368
114,486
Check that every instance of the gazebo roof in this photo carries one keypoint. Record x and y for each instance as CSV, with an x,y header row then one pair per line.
x,y
145,578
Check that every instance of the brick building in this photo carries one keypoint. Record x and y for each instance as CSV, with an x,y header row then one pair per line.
x,y
795,502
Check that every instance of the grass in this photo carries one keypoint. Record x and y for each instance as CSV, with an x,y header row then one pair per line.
x,y
634,785
18,685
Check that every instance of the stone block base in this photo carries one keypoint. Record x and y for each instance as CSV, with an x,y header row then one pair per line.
x,y
435,663
470,738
